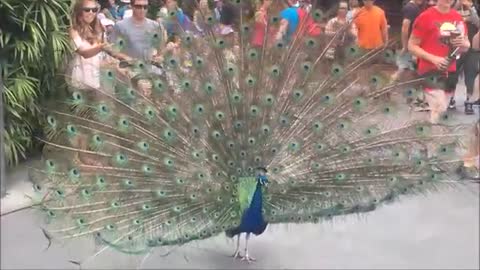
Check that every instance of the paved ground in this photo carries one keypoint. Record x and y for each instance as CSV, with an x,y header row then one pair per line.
x,y
440,231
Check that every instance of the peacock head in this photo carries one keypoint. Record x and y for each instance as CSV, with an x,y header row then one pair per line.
x,y
262,176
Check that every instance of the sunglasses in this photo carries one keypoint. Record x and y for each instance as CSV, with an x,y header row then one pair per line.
x,y
140,7
87,9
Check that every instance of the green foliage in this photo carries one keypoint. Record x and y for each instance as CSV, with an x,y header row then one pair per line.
x,y
34,44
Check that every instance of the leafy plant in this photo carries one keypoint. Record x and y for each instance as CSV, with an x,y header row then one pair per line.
x,y
34,45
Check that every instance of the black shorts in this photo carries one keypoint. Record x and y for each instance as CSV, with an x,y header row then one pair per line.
x,y
447,82
451,81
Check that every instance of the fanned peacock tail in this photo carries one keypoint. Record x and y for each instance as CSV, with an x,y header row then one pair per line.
x,y
160,159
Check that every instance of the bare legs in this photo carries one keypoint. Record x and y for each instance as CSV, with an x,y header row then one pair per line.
x,y
438,101
237,254
247,257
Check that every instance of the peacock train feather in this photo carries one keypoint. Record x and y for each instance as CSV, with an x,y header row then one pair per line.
x,y
230,137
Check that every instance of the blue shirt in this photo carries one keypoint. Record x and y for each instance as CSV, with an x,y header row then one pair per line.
x,y
121,11
183,21
291,15
113,10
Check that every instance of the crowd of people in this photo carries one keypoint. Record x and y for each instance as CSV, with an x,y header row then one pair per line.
x,y
443,36
97,25
426,28
439,35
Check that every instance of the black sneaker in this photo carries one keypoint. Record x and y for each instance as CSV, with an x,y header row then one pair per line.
x,y
451,105
469,108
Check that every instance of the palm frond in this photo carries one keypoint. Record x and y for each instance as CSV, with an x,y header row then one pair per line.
x,y
34,45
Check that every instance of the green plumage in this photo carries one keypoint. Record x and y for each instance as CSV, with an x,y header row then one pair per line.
x,y
166,159
246,188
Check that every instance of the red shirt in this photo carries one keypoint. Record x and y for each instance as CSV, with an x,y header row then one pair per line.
x,y
427,28
260,29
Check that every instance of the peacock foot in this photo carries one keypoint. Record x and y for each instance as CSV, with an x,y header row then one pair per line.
x,y
248,258
237,255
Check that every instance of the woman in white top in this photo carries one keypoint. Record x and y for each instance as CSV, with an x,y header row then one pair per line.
x,y
87,34
200,14
336,24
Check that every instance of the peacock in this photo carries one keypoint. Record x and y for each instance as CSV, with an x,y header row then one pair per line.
x,y
222,136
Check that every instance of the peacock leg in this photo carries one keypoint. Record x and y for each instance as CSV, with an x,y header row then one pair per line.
x,y
247,257
237,254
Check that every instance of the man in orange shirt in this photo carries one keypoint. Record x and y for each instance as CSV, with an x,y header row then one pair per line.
x,y
372,26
